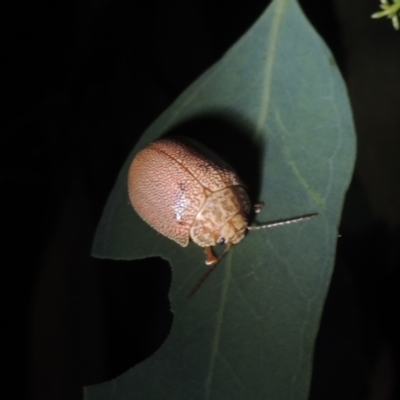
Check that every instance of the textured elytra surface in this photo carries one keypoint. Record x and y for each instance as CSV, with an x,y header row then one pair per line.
x,y
169,182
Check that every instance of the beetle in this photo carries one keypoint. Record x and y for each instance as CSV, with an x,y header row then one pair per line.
x,y
184,191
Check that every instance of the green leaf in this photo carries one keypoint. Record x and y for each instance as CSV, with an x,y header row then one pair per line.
x,y
276,106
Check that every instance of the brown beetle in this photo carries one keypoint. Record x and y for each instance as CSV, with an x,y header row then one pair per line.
x,y
184,191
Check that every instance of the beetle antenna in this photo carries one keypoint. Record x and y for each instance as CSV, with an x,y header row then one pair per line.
x,y
282,222
209,270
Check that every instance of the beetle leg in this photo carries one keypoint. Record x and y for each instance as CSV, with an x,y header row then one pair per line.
x,y
258,207
210,258
213,261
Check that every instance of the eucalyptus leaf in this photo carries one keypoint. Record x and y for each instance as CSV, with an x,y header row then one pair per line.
x,y
275,107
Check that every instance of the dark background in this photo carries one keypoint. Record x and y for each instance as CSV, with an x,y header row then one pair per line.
x,y
81,81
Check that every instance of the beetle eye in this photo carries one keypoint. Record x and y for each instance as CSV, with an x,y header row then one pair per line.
x,y
221,240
